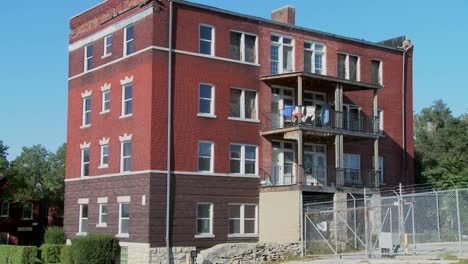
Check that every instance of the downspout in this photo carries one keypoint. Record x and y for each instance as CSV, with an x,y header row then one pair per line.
x,y
403,112
169,136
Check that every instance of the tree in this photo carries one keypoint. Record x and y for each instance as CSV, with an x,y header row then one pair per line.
x,y
3,159
441,144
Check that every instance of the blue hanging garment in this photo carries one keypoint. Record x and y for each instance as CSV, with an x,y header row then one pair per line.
x,y
288,110
325,114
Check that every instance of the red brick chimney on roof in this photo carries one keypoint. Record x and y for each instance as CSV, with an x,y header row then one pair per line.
x,y
285,14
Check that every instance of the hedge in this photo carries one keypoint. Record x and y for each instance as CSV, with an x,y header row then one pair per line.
x,y
50,253
95,249
54,235
18,255
65,255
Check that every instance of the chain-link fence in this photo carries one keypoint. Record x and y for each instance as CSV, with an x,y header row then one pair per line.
x,y
388,223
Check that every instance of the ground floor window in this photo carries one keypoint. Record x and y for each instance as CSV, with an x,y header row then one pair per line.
x,y
242,219
204,219
124,218
83,228
4,238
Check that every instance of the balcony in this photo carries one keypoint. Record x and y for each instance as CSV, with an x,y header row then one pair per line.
x,y
319,121
317,177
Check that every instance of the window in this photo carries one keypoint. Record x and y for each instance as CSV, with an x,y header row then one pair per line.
x,y
5,210
127,100
4,238
243,104
243,159
105,101
380,125
27,211
243,47
282,54
103,214
88,57
107,45
242,219
381,169
83,227
205,156
86,111
124,217
348,67
123,255
206,40
85,162
314,57
376,71
125,161
204,219
104,156
206,99
129,45
352,168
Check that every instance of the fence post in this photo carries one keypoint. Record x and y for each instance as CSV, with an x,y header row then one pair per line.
x,y
366,235
437,212
355,220
304,249
414,226
402,219
459,222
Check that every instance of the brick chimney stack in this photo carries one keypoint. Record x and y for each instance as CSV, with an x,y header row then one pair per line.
x,y
285,14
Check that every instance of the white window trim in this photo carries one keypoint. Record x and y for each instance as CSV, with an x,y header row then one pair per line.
x,y
380,70
105,89
280,46
242,221
358,66
122,115
8,210
80,232
86,56
100,223
211,156
83,115
212,102
205,235
120,234
122,157
324,55
242,106
212,39
242,159
82,160
32,212
125,41
106,44
242,45
101,164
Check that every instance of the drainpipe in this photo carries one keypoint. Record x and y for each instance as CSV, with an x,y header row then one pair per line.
x,y
169,137
403,112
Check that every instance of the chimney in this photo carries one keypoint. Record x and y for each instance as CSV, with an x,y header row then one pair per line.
x,y
285,14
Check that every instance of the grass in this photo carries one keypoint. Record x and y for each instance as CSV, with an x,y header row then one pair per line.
x,y
289,258
449,257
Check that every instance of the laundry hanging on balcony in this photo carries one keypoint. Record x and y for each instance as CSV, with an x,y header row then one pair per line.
x,y
310,113
288,110
325,114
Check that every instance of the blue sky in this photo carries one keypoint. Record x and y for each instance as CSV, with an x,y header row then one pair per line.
x,y
34,61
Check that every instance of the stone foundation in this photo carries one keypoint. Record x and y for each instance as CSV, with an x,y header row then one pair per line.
x,y
240,253
141,253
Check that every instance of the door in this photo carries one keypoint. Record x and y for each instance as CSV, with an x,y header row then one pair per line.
x,y
282,161
280,98
315,164
352,118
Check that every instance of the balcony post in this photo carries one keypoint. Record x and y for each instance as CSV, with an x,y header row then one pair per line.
x,y
339,160
376,141
300,157
300,94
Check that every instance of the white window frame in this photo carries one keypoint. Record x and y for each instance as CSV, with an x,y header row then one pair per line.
x,y
212,101
242,45
83,117
280,44
242,221
347,167
380,116
122,157
211,156
209,234
122,114
380,77
7,237
121,203
7,209
358,66
104,101
242,105
81,218
26,217
107,45
101,213
212,41
83,163
86,58
243,159
314,51
125,51
103,165
381,169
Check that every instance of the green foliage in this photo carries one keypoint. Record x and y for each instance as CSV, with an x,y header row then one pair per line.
x,y
3,159
441,144
65,255
318,247
18,255
54,235
50,253
95,249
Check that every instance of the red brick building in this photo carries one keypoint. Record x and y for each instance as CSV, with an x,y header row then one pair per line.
x,y
259,109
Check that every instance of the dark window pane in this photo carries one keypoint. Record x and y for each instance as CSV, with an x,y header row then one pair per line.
x,y
204,149
235,103
205,106
249,167
205,91
234,166
124,226
308,61
204,211
235,151
341,66
87,104
375,72
234,226
287,58
204,164
250,50
86,155
127,164
89,51
235,45
234,211
250,152
206,33
128,107
130,47
249,211
250,105
127,148
318,63
205,47
84,211
128,92
130,31
353,68
203,226
274,59
249,226
125,210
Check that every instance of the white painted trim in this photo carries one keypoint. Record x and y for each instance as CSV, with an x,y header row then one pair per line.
x,y
126,137
86,93
85,145
210,234
125,116
105,87
122,235
123,199
101,200
101,225
104,141
83,201
244,120
212,51
143,200
206,115
205,236
211,155
110,29
214,57
126,80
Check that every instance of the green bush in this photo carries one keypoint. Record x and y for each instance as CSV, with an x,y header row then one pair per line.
x,y
54,235
18,255
95,249
65,255
50,253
